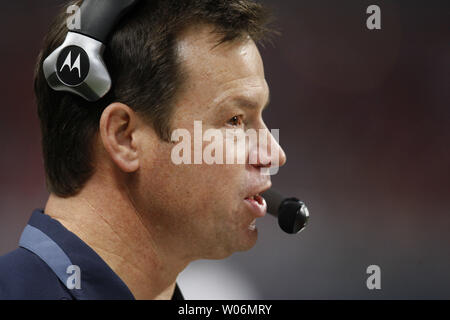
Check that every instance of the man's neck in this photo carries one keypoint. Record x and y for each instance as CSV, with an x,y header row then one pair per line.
x,y
106,220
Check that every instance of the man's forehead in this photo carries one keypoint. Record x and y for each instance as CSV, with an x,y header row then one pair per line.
x,y
199,52
216,69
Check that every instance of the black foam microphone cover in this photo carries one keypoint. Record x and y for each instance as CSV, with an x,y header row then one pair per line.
x,y
292,213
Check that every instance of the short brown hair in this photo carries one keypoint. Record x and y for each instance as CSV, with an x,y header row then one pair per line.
x,y
141,59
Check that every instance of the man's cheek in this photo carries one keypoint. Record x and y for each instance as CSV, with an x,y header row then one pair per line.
x,y
235,147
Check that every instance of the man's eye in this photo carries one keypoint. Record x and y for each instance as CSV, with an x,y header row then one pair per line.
x,y
236,121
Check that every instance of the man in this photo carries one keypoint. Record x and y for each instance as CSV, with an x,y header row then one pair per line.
x,y
123,220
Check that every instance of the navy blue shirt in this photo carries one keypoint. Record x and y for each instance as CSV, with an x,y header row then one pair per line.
x,y
53,263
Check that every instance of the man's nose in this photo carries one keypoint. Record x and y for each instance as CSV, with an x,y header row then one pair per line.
x,y
268,150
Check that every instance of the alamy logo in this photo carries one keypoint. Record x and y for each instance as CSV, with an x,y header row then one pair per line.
x,y
75,65
73,22
373,22
74,279
229,146
374,280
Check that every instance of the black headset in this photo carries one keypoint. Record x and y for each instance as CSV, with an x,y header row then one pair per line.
x,y
77,65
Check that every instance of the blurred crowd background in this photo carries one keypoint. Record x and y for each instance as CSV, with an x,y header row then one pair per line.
x,y
364,118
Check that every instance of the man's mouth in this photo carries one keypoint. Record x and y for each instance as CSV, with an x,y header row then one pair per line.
x,y
257,205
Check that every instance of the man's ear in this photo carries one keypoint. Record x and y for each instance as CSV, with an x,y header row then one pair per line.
x,y
117,129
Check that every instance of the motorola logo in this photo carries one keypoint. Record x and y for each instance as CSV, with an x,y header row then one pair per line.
x,y
68,62
72,66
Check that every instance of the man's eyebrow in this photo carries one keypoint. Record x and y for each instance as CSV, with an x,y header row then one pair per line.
x,y
245,102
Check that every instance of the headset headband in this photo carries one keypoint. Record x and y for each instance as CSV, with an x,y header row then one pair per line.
x,y
77,65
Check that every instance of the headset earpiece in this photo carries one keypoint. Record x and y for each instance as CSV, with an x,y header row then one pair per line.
x,y
77,65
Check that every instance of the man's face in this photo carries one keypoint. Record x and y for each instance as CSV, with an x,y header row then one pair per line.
x,y
201,206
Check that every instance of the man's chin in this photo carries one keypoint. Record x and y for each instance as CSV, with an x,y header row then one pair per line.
x,y
250,241
245,242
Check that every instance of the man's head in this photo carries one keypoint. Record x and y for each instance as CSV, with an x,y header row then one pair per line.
x,y
171,63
